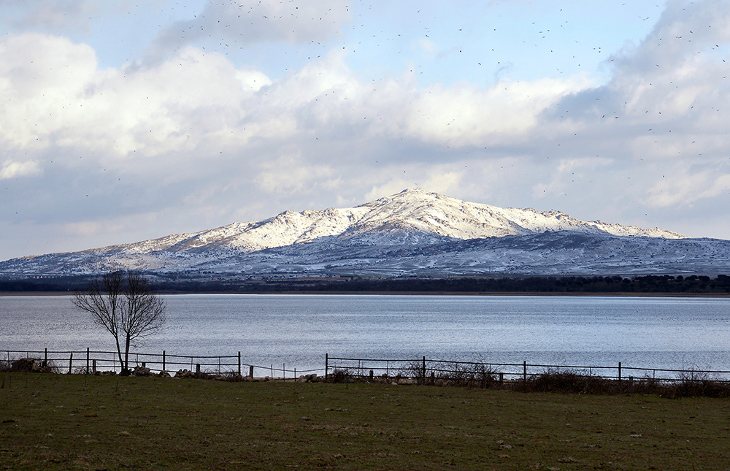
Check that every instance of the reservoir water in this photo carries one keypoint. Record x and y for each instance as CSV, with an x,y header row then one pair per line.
x,y
299,329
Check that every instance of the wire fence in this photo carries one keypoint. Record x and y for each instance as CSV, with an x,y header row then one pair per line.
x,y
418,370
424,370
99,362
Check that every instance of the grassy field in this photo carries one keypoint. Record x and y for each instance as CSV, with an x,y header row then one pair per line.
x,y
84,422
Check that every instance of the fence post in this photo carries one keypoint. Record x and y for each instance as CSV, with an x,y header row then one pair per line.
x,y
164,361
45,357
283,371
250,371
197,368
371,375
70,362
87,360
93,365
239,363
524,372
326,365
423,375
619,371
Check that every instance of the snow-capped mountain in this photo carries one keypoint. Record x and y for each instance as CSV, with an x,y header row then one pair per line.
x,y
411,232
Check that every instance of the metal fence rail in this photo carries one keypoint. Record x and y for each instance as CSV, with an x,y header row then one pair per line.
x,y
99,361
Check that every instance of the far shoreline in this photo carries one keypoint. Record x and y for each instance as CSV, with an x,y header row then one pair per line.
x,y
577,294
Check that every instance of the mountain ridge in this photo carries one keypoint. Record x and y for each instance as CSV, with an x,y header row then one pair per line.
x,y
396,232
376,214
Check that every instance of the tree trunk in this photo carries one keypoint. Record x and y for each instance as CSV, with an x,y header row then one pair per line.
x,y
119,353
126,371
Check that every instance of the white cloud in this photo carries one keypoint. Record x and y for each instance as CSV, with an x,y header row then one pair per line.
x,y
13,169
65,101
688,189
196,100
495,115
291,174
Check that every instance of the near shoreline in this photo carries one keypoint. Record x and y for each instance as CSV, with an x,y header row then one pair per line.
x,y
408,293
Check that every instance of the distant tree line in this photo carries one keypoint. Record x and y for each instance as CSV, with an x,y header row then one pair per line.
x,y
667,284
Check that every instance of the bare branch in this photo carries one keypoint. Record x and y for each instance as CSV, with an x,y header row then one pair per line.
x,y
124,305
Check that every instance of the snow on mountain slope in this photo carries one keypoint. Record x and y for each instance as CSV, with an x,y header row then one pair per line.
x,y
411,218
450,217
410,210
291,227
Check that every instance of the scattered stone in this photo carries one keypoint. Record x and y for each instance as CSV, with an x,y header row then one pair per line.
x,y
191,374
141,371
184,374
35,365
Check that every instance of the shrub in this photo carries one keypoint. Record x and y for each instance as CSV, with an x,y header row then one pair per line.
x,y
570,382
35,365
341,375
467,374
698,383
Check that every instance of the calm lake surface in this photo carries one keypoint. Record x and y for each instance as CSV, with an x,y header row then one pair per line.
x,y
298,330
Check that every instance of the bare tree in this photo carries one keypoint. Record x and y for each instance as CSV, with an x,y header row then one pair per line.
x,y
125,306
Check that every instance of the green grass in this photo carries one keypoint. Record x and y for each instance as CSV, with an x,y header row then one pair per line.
x,y
83,422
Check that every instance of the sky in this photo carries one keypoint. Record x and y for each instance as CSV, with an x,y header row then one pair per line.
x,y
127,120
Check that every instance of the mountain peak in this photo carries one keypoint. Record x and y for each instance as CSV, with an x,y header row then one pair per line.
x,y
415,193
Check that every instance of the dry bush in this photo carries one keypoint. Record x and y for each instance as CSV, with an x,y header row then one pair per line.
x,y
35,365
412,370
699,383
341,375
568,381
466,374
230,376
